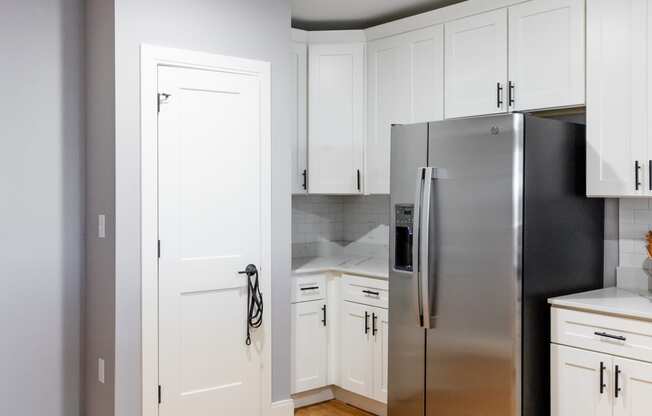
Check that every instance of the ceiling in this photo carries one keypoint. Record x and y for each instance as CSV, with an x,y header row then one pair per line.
x,y
357,14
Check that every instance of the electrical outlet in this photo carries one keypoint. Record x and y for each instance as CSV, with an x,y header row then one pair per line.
x,y
100,370
101,226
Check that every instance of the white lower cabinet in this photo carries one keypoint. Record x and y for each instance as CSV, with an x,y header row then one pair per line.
x,y
357,359
309,345
336,341
575,382
597,383
363,350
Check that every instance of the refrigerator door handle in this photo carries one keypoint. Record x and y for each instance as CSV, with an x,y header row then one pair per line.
x,y
424,247
421,249
416,236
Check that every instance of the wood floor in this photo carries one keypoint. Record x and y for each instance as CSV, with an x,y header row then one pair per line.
x,y
332,408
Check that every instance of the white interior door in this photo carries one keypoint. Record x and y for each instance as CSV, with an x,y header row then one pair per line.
x,y
310,345
575,382
546,54
356,349
476,65
210,145
635,384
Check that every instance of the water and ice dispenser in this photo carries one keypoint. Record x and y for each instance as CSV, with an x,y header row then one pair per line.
x,y
404,215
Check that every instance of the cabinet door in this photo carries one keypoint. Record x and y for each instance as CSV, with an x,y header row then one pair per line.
x,y
617,96
336,118
635,384
309,346
299,109
546,54
356,349
476,65
380,325
575,382
405,85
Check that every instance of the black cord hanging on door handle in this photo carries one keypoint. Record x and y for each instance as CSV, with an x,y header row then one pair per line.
x,y
254,300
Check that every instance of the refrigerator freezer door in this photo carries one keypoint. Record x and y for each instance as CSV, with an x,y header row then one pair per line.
x,y
407,340
473,350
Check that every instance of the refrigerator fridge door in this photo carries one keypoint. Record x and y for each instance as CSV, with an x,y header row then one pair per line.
x,y
407,340
473,346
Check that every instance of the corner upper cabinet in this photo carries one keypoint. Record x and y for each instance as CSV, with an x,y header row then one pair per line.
x,y
405,84
546,54
299,108
476,65
618,52
336,118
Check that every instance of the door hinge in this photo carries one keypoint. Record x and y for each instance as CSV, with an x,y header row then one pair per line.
x,y
162,98
160,400
158,249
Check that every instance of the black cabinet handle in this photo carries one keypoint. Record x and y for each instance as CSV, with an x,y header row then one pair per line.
x,y
511,94
358,178
366,322
649,174
602,385
617,389
310,288
323,321
637,168
374,329
499,95
305,179
371,292
604,334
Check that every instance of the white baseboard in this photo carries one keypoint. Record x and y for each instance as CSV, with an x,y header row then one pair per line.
x,y
282,408
361,402
308,398
327,393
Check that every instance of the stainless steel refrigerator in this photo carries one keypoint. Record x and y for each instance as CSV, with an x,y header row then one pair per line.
x,y
489,219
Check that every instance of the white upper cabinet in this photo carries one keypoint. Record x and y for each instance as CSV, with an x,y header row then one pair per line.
x,y
405,82
618,53
299,107
476,65
546,54
336,117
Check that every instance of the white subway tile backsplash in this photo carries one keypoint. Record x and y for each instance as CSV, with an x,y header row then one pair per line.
x,y
634,221
330,223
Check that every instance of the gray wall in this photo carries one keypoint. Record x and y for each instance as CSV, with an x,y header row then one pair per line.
x,y
41,185
258,29
99,323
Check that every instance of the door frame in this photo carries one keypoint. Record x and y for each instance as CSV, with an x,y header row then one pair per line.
x,y
151,57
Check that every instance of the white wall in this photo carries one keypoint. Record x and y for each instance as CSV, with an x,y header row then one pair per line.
x,y
41,185
635,220
258,29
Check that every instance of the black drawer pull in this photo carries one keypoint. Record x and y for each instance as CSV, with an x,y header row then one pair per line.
x,y
371,292
310,288
604,334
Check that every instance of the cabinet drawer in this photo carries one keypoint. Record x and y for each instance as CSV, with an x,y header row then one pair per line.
x,y
373,292
609,334
308,287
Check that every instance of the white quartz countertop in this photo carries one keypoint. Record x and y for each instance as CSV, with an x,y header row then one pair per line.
x,y
365,266
610,300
